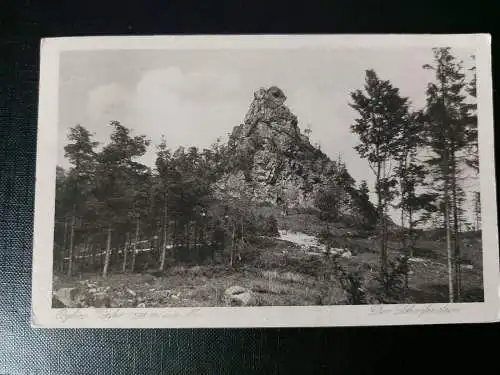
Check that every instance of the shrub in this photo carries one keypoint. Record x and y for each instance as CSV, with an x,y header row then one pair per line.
x,y
306,211
394,282
266,225
328,239
272,226
352,283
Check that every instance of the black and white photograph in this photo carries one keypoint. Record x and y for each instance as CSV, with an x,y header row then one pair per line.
x,y
265,181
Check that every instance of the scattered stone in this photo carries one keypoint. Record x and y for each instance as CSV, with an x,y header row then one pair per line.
x,y
102,301
416,260
67,296
239,296
141,305
93,290
346,254
131,292
56,303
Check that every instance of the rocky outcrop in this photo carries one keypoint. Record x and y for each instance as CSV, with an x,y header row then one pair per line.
x,y
275,163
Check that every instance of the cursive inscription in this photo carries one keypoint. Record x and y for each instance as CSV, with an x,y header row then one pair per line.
x,y
417,309
64,315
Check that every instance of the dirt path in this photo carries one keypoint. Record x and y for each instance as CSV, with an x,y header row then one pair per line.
x,y
310,244
305,241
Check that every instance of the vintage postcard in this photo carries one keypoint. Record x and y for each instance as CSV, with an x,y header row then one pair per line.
x,y
265,181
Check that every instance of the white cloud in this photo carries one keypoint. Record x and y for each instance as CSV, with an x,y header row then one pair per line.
x,y
106,101
188,108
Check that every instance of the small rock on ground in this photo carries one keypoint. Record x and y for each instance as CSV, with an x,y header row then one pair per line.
x,y
66,296
239,296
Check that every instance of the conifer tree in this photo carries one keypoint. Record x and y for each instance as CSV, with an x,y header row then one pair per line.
x,y
121,188
382,114
80,179
448,128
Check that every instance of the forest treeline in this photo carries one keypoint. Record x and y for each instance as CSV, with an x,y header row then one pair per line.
x,y
418,156
107,202
109,206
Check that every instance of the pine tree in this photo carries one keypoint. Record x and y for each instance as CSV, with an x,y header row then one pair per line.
x,y
122,185
382,113
163,165
448,127
472,159
411,176
80,179
63,210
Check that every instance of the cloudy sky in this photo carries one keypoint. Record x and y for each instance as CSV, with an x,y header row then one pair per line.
x,y
192,97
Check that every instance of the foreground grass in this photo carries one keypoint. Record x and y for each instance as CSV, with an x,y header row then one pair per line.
x,y
280,273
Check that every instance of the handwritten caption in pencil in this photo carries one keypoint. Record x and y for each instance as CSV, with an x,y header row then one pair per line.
x,y
416,309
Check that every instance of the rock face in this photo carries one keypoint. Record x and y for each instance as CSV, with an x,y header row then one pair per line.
x,y
277,164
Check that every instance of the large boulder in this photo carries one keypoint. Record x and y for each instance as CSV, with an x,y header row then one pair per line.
x,y
239,296
65,297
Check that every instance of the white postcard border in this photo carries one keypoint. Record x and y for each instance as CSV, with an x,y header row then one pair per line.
x,y
44,316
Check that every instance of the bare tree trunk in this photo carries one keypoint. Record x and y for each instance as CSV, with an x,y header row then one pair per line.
x,y
195,241
125,252
477,210
134,250
242,240
164,247
380,219
63,255
86,255
403,229
108,254
93,251
382,204
456,230
175,234
404,195
187,238
102,255
385,241
71,240
410,232
165,231
448,242
232,246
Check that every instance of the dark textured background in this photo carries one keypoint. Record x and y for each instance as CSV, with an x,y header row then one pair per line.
x,y
305,351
